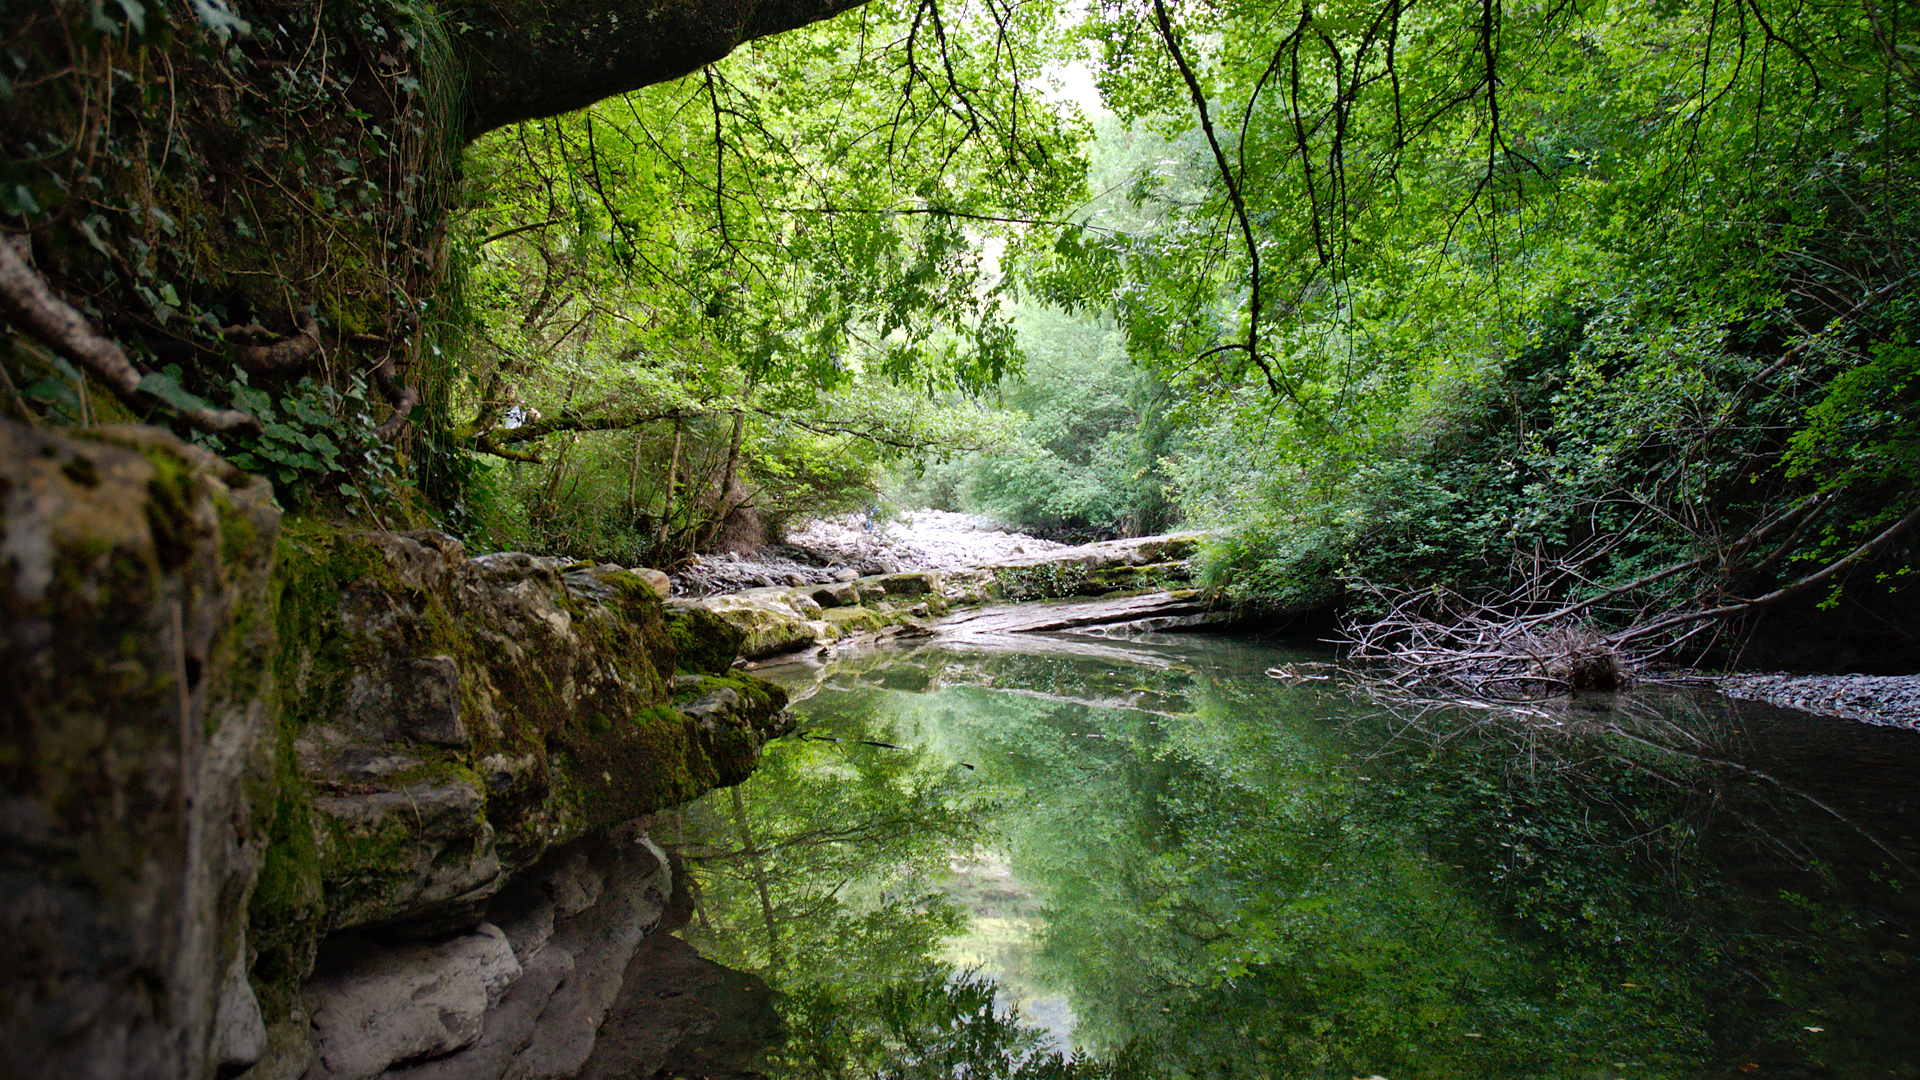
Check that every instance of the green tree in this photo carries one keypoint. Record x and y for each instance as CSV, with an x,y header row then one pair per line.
x,y
1659,252
771,265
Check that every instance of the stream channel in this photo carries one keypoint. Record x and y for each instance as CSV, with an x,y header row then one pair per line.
x,y
1061,856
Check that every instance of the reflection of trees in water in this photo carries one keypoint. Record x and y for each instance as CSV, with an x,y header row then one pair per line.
x,y
1738,860
1241,882
818,874
1536,893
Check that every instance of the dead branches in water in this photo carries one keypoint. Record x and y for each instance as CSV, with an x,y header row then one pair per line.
x,y
1437,642
1537,642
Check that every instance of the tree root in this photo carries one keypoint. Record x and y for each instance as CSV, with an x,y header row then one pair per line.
x,y
30,304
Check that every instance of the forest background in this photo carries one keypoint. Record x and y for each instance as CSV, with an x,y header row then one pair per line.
x,y
1582,303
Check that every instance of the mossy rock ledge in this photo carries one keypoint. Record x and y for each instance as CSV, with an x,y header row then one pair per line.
x,y
299,800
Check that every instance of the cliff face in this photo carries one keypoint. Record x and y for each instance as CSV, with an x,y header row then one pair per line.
x,y
269,790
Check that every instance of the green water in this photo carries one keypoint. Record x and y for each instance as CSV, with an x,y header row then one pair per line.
x,y
1158,860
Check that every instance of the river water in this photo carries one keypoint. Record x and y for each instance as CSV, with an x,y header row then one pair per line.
x,y
1155,858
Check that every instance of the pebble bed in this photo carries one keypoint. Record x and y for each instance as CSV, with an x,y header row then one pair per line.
x,y
1888,700
921,540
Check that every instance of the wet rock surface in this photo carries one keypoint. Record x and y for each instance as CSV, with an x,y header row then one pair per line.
x,y
237,753
457,718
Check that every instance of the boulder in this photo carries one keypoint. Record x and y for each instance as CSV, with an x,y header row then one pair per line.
x,y
375,1005
137,776
839,594
769,620
457,718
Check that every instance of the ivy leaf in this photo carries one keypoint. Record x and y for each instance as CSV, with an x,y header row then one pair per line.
x,y
218,16
168,389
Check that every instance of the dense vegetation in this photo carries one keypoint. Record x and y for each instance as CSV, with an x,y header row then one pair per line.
x,y
1546,300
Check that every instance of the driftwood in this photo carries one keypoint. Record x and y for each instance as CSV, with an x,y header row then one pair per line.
x,y
1438,643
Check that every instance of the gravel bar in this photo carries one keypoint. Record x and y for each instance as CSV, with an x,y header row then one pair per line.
x,y
1888,700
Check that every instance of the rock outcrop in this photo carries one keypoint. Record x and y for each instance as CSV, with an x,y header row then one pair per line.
x,y
319,801
136,700
1145,581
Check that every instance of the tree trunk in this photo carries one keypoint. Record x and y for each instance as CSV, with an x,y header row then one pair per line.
x,y
757,873
633,477
531,60
723,502
673,476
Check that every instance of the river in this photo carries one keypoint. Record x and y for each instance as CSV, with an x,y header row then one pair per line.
x,y
1068,857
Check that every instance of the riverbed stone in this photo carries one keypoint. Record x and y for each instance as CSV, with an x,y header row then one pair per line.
x,y
912,583
839,594
660,583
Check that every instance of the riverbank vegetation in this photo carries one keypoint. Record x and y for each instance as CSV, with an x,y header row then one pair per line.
x,y
1579,311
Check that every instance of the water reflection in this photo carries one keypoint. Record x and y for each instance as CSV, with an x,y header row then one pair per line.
x,y
1193,869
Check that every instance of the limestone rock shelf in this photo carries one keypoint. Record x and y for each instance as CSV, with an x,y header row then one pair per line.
x,y
285,800
1122,587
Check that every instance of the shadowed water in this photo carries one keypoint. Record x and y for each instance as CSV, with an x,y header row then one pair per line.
x,y
1158,859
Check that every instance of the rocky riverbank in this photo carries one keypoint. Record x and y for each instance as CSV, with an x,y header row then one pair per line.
x,y
1885,700
843,582
1122,586
284,800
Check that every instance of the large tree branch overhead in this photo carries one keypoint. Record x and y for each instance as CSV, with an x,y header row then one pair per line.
x,y
527,60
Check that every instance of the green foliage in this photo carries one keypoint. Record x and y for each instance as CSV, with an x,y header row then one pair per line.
x,y
1456,297
314,435
213,179
773,261
1086,458
1046,581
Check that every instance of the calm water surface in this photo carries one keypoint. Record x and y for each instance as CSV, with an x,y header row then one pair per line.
x,y
1155,859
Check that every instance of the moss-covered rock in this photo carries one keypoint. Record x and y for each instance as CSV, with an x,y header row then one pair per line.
x,y
855,620
705,642
770,621
225,740
135,751
455,718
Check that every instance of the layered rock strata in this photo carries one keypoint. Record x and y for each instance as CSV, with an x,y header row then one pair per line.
x,y
259,781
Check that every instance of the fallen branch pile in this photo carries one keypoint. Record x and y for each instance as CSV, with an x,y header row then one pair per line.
x,y
1436,642
1533,643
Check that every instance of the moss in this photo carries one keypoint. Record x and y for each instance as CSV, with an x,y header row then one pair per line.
x,y
1043,581
238,537
316,564
703,642
171,496
441,767
1123,578
853,620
